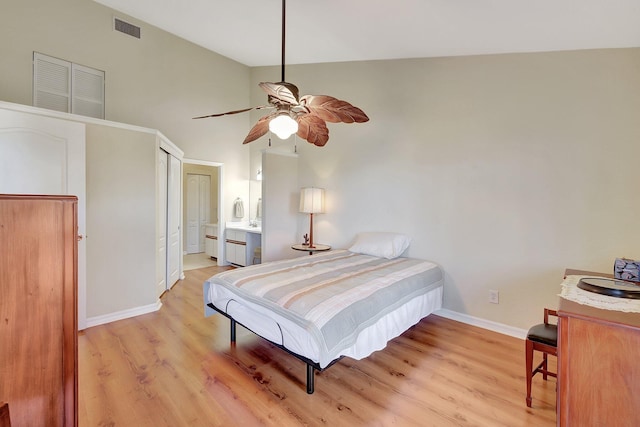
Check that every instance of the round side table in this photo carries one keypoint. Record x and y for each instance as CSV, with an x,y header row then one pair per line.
x,y
315,248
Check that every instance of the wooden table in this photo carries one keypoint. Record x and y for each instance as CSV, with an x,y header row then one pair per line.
x,y
598,364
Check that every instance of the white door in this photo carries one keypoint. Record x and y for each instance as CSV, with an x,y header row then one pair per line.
x,y
44,155
173,220
198,210
205,209
161,272
193,213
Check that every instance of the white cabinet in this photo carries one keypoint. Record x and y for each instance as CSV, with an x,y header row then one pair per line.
x,y
211,240
236,247
240,244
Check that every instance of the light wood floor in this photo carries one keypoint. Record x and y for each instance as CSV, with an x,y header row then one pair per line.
x,y
176,368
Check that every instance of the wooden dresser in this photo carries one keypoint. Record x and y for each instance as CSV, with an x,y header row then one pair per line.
x,y
598,365
38,309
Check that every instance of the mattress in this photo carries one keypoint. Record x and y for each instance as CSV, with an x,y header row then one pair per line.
x,y
329,304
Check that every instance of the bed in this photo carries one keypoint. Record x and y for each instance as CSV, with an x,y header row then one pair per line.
x,y
325,306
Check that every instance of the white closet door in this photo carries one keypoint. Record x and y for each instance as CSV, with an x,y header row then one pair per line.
x,y
43,155
51,83
161,266
64,86
205,209
198,211
193,213
173,220
87,91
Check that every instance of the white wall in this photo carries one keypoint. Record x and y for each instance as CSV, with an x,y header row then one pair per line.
x,y
280,205
505,169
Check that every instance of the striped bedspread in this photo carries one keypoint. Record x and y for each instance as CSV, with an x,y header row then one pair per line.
x,y
333,295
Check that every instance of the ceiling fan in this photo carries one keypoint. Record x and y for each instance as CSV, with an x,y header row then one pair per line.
x,y
305,116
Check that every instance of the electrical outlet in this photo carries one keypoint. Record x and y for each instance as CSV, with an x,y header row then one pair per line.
x,y
494,296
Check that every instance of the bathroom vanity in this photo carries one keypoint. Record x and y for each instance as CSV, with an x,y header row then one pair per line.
x,y
211,240
241,242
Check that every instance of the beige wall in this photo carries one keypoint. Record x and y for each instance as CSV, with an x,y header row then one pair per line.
x,y
505,169
159,81
121,220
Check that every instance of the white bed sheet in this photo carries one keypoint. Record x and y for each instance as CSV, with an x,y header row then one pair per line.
x,y
291,336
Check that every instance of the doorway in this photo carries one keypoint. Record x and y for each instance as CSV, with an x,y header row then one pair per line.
x,y
202,207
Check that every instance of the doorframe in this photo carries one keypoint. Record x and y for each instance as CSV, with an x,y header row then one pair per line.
x,y
220,201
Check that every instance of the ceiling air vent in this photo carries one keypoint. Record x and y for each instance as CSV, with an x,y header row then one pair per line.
x,y
125,27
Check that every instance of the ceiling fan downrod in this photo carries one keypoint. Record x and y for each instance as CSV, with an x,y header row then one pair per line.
x,y
305,116
284,9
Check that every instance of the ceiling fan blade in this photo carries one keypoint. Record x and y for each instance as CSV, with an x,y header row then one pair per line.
x,y
259,129
235,111
313,129
284,92
333,110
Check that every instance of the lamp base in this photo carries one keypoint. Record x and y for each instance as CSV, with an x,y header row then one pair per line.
x,y
311,231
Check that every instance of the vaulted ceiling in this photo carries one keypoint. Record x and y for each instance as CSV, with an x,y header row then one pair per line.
x,y
249,31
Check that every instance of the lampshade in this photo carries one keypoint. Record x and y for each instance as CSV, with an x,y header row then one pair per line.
x,y
312,200
283,126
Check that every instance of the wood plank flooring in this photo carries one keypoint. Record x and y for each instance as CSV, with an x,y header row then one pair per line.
x,y
177,368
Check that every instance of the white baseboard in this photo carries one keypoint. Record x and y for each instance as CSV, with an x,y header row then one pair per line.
x,y
124,314
443,312
483,323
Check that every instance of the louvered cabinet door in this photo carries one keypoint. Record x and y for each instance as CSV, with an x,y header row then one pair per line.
x,y
38,309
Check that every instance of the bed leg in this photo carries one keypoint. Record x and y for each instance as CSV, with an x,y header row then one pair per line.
x,y
233,330
310,379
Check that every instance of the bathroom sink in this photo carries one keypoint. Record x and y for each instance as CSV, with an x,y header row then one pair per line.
x,y
246,228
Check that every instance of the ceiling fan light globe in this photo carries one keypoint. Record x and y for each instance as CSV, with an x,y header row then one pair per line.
x,y
283,126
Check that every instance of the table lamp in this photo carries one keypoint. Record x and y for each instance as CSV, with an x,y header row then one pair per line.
x,y
311,202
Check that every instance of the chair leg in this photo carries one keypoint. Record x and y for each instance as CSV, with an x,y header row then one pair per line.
x,y
529,365
544,366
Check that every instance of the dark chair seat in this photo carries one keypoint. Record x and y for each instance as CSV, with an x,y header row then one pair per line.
x,y
545,334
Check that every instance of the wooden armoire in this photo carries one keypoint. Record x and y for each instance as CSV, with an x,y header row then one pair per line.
x,y
38,309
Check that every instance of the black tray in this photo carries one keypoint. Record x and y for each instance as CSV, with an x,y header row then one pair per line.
x,y
610,287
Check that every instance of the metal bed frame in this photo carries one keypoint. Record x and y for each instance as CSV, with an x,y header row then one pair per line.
x,y
311,365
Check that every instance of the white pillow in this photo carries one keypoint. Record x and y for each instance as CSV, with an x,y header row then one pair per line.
x,y
381,244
